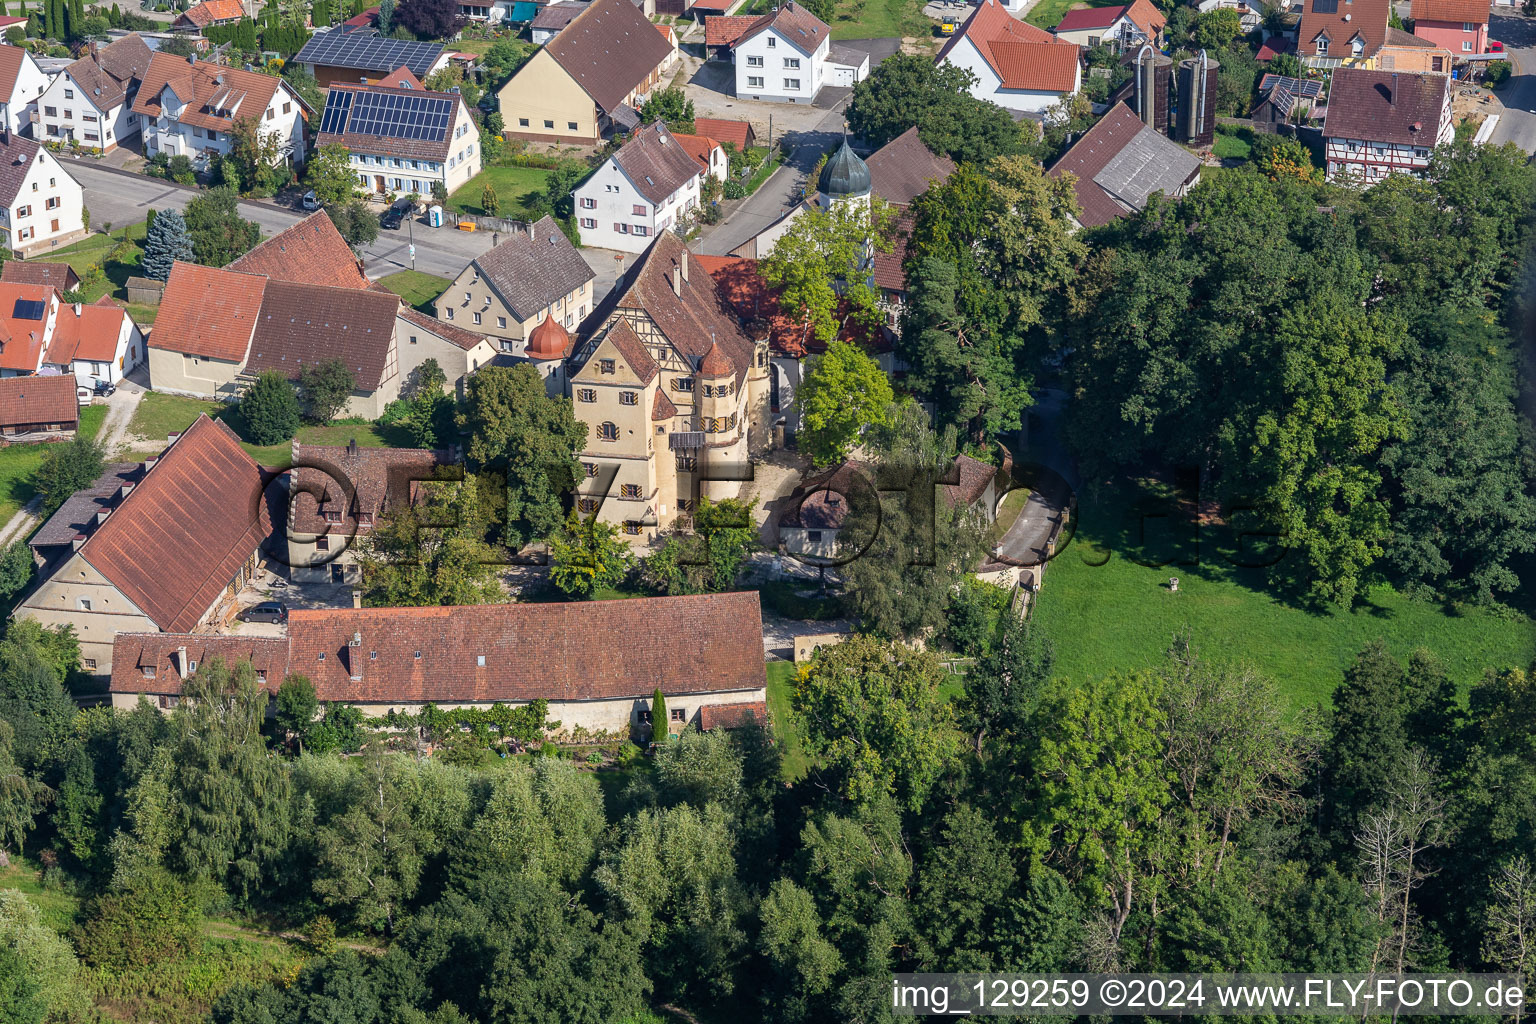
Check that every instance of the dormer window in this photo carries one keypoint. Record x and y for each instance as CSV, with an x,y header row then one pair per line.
x,y
1357,46
1322,46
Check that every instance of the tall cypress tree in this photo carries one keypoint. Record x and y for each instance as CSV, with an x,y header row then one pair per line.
x,y
658,717
76,18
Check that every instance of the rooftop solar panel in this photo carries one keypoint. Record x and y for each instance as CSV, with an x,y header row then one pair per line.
x,y
369,52
29,309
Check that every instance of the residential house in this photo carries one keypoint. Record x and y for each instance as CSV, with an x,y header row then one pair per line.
x,y
91,100
459,352
22,84
55,275
1251,11
1016,65
1342,33
37,408
29,314
1120,163
1119,28
336,496
170,557
673,391
350,54
1460,26
737,133
402,138
706,152
190,108
527,278
899,172
1384,122
1404,51
310,252
41,205
552,19
582,657
91,343
670,35
646,187
784,56
81,512
209,12
589,80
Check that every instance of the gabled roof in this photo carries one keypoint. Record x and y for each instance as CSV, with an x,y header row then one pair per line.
x,y
991,21
178,539
1475,11
1363,105
1090,17
388,120
302,325
662,408
1045,67
211,12
1397,37
363,49
215,96
76,518
24,311
16,158
532,270
726,29
609,49
457,336
12,59
152,662
87,333
733,716
622,337
699,147
1145,16
902,169
1340,21
564,651
1119,163
654,163
55,275
735,132
208,312
38,399
310,252
352,479
557,15
401,77
105,73
802,29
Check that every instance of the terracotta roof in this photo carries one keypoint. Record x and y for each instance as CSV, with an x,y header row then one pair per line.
x,y
733,716
152,662
208,312
1145,16
1475,11
342,105
699,147
1090,17
902,169
972,477
662,408
38,399
367,19
609,49
1046,67
178,539
692,320
105,73
12,59
532,270
458,336
735,132
1274,46
24,311
1361,105
991,21
76,518
557,15
726,29
1397,37
655,164
214,95
799,27
715,363
87,332
401,77
889,268
56,275
625,340
744,293
211,12
310,252
564,651
1341,21
303,325
667,34
548,340
351,480
16,157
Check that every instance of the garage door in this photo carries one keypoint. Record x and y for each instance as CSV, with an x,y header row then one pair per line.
x,y
841,74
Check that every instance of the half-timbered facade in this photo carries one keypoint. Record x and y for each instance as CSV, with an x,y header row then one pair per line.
x,y
1382,122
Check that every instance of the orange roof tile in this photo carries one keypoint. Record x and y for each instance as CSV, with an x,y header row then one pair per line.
x,y
1475,11
1044,67
21,338
37,399
90,334
698,146
208,312
738,133
310,252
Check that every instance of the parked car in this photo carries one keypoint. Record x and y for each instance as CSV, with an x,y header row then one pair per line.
x,y
393,217
1494,46
310,200
267,611
105,388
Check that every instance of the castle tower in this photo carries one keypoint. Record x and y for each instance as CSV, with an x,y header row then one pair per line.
x,y
725,429
548,345
845,178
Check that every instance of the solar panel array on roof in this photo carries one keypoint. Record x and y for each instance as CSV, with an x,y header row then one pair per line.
x,y
387,114
29,309
1325,6
369,52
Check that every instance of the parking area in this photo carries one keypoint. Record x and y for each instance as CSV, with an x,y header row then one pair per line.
x,y
290,595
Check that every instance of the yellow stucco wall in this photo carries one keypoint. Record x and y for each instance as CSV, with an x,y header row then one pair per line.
x,y
542,91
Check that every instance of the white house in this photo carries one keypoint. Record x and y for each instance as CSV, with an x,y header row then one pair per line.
x,y
642,190
1016,65
96,342
1252,11
402,138
1120,28
785,56
1384,122
41,206
90,100
22,84
189,108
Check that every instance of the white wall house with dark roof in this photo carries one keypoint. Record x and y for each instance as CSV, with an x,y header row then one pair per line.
x,y
402,139
43,207
783,60
644,189
22,84
90,100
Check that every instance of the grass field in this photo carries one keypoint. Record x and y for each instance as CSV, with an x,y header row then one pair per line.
x,y
1047,13
1107,610
19,462
94,250
781,681
1232,143
515,187
160,414
877,19
419,289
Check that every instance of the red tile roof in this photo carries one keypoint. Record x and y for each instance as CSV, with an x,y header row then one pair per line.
x,y
152,662
1475,11
990,21
1362,105
208,312
181,535
802,29
738,133
742,288
302,325
662,408
56,275
88,333
1145,16
401,78
214,95
634,352
350,481
1045,67
733,716
310,252
725,30
1090,17
456,336
699,147
888,268
37,399
1341,22
21,339
211,12
576,651
106,73
1274,46
12,58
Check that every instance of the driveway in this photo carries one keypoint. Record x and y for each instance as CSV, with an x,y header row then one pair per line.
x,y
1051,487
1518,34
121,406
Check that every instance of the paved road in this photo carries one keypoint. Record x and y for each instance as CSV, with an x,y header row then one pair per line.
x,y
1518,121
1025,541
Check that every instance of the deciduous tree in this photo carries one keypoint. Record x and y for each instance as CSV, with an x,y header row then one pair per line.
x,y
843,393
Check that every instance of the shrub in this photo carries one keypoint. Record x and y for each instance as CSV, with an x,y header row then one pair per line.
x,y
1497,73
153,918
735,190
269,412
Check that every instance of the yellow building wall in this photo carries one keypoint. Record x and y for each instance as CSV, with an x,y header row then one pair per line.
x,y
199,376
542,91
57,602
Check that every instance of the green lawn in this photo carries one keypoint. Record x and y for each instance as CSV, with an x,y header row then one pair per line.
x,y
1106,612
781,681
19,462
1231,142
879,19
515,187
1008,510
58,908
1048,13
419,289
160,414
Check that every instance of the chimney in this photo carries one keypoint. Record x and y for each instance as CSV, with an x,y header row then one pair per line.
x,y
77,309
677,280
149,463
685,265
192,59
101,516
357,599
355,655
532,232
1392,98
181,662
172,438
91,48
